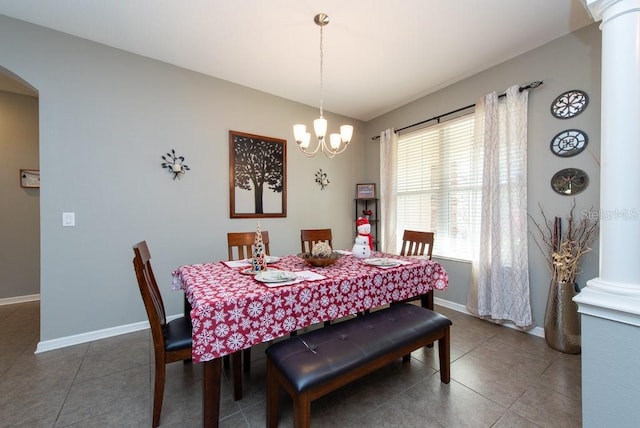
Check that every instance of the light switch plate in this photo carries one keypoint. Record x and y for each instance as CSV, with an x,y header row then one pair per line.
x,y
68,219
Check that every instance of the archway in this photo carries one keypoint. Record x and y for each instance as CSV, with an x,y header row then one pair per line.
x,y
20,228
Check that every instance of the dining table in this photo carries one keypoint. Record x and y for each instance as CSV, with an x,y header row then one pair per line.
x,y
233,308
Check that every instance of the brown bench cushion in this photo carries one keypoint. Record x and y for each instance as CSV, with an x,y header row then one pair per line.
x,y
341,347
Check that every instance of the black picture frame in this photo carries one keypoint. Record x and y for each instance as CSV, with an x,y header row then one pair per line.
x,y
257,189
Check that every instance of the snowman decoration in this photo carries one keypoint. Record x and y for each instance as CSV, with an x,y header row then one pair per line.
x,y
364,241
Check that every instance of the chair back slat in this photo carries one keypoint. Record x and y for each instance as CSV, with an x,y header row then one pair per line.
x,y
310,237
416,243
149,290
240,244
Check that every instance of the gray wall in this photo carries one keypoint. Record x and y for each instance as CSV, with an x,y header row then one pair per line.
x,y
610,373
106,117
570,62
20,225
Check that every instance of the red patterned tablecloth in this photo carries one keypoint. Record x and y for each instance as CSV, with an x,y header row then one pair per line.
x,y
232,311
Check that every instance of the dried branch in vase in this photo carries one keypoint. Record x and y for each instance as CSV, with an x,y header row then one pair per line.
x,y
563,252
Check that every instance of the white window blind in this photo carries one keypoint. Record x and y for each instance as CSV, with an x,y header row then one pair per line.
x,y
435,186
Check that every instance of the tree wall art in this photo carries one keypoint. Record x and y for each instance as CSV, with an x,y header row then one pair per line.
x,y
257,176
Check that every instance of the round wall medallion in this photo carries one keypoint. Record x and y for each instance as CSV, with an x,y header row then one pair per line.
x,y
569,181
569,143
569,104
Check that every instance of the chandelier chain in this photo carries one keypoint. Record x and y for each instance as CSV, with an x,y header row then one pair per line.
x,y
321,74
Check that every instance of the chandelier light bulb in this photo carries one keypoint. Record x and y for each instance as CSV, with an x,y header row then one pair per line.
x,y
335,140
306,139
346,131
298,132
320,126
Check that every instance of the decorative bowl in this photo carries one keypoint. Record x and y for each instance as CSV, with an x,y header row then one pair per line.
x,y
320,261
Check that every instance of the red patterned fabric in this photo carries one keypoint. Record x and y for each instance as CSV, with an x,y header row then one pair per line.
x,y
233,311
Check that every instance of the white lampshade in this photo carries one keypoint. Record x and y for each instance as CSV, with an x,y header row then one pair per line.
x,y
346,132
335,140
306,139
298,132
320,126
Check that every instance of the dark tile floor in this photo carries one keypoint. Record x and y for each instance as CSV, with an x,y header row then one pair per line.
x,y
499,378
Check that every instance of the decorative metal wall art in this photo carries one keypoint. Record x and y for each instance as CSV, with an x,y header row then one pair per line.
x,y
174,164
322,179
569,181
569,143
257,176
569,104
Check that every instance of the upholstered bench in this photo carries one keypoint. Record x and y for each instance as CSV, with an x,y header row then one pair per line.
x,y
313,364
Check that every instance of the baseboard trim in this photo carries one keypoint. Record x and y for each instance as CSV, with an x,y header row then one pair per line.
x,y
19,299
536,331
77,339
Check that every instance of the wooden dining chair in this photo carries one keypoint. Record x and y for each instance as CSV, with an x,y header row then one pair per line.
x,y
310,237
240,246
171,340
416,243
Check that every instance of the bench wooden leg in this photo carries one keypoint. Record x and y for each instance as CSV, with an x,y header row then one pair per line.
x,y
301,410
273,396
444,354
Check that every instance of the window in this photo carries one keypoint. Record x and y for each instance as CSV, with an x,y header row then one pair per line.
x,y
436,190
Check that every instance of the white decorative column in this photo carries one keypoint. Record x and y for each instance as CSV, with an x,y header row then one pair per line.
x,y
616,292
610,304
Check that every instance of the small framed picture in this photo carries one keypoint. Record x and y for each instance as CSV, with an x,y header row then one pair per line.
x,y
366,191
29,178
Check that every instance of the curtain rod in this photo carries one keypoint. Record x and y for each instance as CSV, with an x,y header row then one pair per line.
x,y
531,85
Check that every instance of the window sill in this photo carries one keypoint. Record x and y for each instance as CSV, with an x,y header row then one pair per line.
x,y
451,259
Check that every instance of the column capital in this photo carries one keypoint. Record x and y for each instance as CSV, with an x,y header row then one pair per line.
x,y
608,300
597,8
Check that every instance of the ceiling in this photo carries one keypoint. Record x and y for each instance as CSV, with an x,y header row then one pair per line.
x,y
378,54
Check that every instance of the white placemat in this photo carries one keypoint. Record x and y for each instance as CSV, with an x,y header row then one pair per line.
x,y
238,263
397,262
301,276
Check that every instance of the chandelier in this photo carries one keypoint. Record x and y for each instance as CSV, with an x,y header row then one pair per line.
x,y
337,142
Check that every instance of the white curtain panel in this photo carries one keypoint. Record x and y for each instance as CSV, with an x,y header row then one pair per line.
x,y
388,188
499,287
